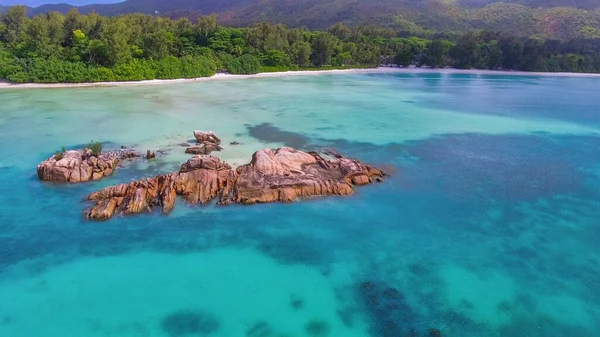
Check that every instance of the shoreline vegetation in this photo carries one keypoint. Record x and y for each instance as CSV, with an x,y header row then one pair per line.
x,y
76,49
226,76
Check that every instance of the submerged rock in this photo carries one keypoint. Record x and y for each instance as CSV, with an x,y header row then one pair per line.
x,y
317,328
390,313
189,323
81,165
435,333
282,175
260,329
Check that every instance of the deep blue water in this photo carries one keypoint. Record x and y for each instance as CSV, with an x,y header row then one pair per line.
x,y
486,226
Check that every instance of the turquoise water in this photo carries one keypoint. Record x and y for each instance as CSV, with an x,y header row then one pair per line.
x,y
487,226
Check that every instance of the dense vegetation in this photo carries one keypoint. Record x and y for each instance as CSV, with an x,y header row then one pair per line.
x,y
559,19
89,48
95,147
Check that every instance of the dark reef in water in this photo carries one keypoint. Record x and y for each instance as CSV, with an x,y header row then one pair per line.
x,y
260,329
294,250
389,312
268,133
263,329
507,167
296,303
184,323
317,328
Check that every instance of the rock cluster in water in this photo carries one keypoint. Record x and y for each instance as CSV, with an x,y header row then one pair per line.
x,y
208,142
282,175
81,165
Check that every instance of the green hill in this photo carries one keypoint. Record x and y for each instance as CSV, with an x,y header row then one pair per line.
x,y
519,17
586,4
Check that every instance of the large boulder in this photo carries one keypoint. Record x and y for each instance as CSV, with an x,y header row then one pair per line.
x,y
206,136
208,142
80,165
287,174
206,148
198,181
282,175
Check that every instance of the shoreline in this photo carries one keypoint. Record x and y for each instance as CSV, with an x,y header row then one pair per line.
x,y
223,76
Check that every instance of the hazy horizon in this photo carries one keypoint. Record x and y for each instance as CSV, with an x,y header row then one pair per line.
x,y
35,3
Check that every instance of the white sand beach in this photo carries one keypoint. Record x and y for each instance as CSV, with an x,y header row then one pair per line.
x,y
223,76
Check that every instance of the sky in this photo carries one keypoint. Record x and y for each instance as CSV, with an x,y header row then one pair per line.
x,y
33,3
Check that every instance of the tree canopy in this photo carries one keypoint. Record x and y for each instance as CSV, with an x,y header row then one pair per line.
x,y
53,47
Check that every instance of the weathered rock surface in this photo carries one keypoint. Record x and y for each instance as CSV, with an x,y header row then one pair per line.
x,y
206,136
199,181
287,174
208,141
206,148
282,175
81,166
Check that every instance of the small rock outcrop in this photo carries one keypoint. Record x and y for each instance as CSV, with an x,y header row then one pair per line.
x,y
81,165
282,175
206,137
206,148
208,142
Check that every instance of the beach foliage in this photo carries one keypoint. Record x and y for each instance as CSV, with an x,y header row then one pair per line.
x,y
75,48
245,64
95,147
58,155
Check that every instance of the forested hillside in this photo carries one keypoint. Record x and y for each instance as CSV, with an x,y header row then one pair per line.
x,y
36,3
562,19
91,48
587,4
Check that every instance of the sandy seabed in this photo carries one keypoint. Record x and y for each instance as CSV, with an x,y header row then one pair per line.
x,y
223,76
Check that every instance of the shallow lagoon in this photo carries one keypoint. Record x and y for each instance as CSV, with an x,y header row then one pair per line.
x,y
487,226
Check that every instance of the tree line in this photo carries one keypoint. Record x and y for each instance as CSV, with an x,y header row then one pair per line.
x,y
52,47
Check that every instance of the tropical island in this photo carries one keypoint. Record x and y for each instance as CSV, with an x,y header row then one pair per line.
x,y
76,48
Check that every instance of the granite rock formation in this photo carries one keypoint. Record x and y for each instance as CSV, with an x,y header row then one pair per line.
x,y
287,174
208,142
206,148
282,175
81,165
206,137
199,181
